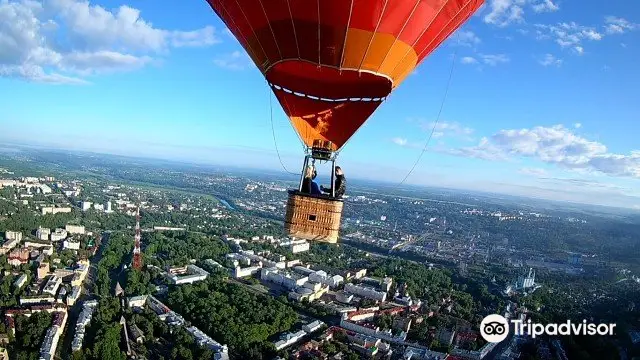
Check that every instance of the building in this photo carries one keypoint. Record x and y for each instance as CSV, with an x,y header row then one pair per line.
x,y
13,235
52,337
365,291
42,271
71,245
74,295
55,210
344,297
18,256
300,247
320,276
312,326
136,334
83,320
85,205
239,272
58,234
74,229
289,339
52,285
19,283
43,233
193,274
137,301
7,245
372,330
289,280
37,299
107,207
205,340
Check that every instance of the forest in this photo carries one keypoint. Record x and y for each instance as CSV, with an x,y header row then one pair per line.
x,y
234,315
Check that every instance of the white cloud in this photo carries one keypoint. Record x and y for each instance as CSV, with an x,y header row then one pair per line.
x,y
568,34
545,6
579,50
196,38
505,12
443,128
556,145
236,60
466,38
486,59
56,40
550,60
533,171
468,60
577,125
616,25
449,128
399,141
495,59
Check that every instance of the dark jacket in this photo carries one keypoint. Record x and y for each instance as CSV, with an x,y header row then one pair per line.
x,y
310,187
341,186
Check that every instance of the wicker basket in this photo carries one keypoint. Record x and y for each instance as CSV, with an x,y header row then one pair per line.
x,y
314,218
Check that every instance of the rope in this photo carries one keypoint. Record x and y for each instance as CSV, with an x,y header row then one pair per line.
x,y
273,132
435,124
433,129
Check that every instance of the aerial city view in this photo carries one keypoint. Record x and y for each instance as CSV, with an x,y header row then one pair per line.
x,y
328,179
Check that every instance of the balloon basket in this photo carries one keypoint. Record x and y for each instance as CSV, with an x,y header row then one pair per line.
x,y
313,217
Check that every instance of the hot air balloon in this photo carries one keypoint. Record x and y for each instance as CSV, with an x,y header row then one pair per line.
x,y
331,63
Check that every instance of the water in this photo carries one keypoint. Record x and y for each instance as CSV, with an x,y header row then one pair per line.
x,y
226,204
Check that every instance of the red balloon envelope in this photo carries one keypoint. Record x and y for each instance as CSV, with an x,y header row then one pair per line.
x,y
332,62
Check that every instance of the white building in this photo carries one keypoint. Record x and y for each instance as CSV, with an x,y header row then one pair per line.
x,y
239,272
99,207
312,326
58,234
85,205
74,229
13,235
366,292
83,320
320,276
8,245
43,233
51,339
29,300
19,283
70,244
107,207
289,339
194,273
298,248
74,295
55,210
52,285
288,280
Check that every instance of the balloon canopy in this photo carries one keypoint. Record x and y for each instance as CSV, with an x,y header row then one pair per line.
x,y
331,63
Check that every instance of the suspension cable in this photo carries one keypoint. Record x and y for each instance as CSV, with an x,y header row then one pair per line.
x,y
273,132
433,129
435,124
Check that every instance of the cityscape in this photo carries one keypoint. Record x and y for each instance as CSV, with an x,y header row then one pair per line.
x,y
109,257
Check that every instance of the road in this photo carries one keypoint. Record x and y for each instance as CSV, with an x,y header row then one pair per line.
x,y
87,294
502,346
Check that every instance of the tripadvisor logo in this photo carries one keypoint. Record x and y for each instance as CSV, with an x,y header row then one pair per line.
x,y
495,328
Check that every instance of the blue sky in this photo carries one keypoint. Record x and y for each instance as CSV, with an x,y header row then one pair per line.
x,y
543,100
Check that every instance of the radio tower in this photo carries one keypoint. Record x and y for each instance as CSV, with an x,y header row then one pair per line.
x,y
137,257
